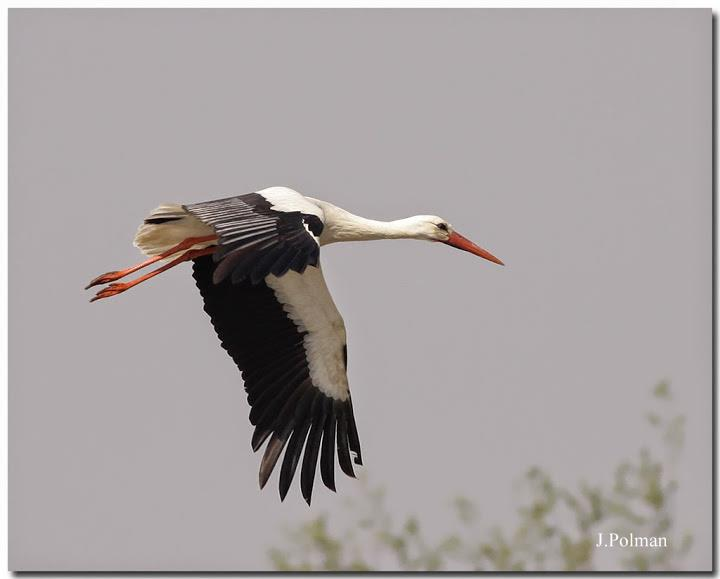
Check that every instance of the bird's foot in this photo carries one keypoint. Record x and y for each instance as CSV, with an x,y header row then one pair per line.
x,y
106,278
116,288
112,290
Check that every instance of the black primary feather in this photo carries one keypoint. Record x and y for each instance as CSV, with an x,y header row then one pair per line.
x,y
292,456
327,455
312,447
342,440
289,412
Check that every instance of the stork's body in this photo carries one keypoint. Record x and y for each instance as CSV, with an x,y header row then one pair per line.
x,y
256,263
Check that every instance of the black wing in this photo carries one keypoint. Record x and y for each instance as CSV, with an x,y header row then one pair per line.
x,y
288,407
256,240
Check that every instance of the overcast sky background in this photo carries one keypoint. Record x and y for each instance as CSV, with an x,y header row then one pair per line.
x,y
574,145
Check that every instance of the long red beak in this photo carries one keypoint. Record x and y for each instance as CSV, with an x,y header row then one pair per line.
x,y
457,240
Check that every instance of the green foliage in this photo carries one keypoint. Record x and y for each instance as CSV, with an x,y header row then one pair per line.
x,y
556,528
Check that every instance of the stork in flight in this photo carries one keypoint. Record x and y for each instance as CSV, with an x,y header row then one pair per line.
x,y
256,262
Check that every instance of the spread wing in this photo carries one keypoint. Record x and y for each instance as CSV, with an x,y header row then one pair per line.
x,y
287,337
273,231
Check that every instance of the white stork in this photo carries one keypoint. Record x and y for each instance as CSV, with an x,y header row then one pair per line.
x,y
256,264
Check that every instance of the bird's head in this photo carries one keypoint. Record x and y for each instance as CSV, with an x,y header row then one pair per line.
x,y
434,228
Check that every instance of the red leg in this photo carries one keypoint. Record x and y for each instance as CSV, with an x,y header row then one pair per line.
x,y
116,288
116,275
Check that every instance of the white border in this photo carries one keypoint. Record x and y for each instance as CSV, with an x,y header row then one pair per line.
x,y
361,4
4,295
715,5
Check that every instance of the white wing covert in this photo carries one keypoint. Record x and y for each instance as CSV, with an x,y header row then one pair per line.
x,y
286,335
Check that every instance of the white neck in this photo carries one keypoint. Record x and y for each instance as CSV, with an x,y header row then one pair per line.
x,y
341,225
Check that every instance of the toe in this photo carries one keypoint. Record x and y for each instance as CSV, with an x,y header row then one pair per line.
x,y
104,278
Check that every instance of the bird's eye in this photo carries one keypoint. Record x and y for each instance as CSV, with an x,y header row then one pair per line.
x,y
443,226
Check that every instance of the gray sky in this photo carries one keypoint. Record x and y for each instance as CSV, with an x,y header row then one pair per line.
x,y
574,145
